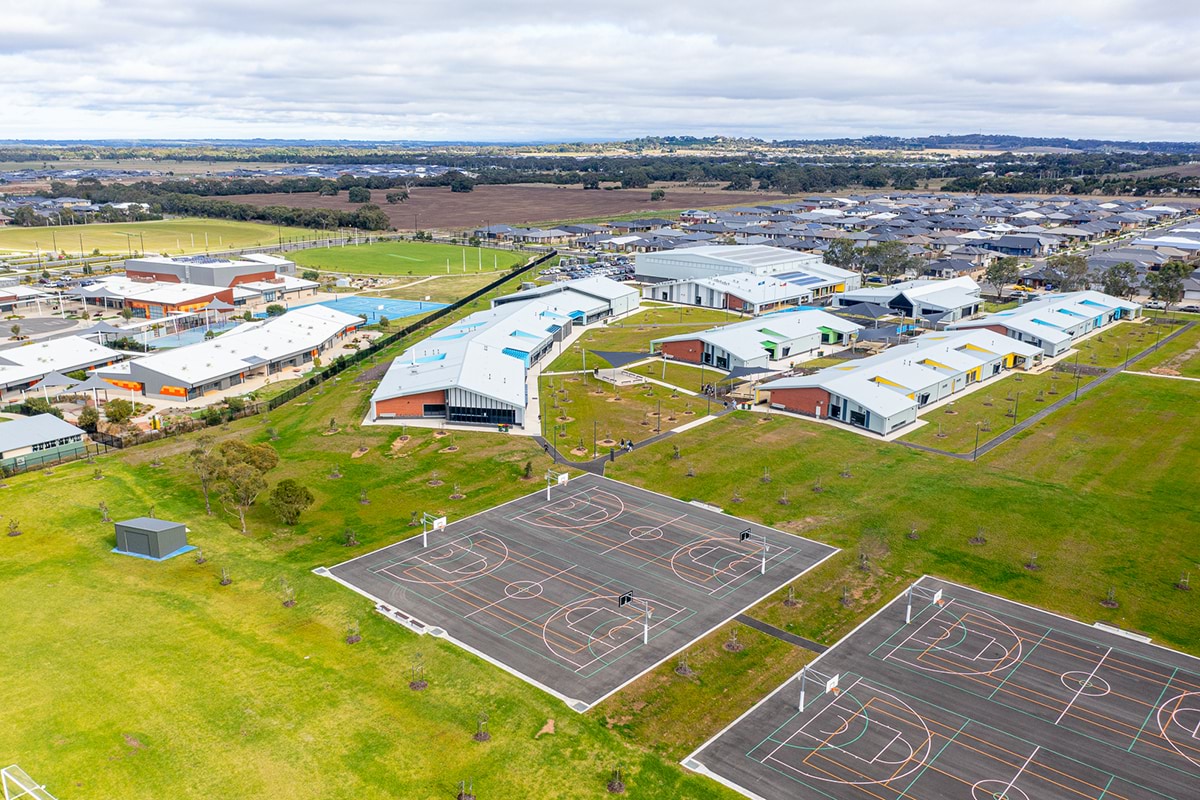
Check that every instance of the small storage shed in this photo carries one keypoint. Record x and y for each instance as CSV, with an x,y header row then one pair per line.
x,y
147,537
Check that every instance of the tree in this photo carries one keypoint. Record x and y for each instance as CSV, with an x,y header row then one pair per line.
x,y
276,310
1001,273
384,322
842,253
738,183
236,405
208,466
460,182
310,275
260,456
89,418
1120,280
242,486
16,331
358,194
658,194
396,197
888,259
1166,283
289,499
635,178
1069,273
126,314
118,411
328,189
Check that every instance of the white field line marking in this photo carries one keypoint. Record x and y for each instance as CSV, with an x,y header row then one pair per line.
x,y
532,583
1082,685
1022,769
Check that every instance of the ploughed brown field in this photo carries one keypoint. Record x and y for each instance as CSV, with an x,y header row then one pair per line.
x,y
436,207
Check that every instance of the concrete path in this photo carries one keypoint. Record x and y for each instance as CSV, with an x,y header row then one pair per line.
x,y
781,634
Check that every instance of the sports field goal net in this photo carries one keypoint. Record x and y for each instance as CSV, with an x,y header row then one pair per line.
x,y
19,786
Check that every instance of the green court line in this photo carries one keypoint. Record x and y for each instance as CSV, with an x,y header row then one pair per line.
x,y
903,626
1111,778
929,763
1153,708
1017,666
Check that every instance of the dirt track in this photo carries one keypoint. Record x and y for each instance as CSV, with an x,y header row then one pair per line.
x,y
439,208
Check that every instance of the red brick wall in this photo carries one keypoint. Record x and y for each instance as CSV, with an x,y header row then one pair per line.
x,y
803,401
689,350
734,303
166,277
253,276
412,405
1000,329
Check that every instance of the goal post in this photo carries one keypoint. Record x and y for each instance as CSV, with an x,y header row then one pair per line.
x,y
430,523
934,596
825,684
18,785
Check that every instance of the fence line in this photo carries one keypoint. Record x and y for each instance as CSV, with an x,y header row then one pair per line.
x,y
35,461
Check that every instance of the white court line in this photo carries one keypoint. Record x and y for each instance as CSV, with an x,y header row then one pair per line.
x,y
1082,684
834,705
633,538
497,602
910,637
1022,769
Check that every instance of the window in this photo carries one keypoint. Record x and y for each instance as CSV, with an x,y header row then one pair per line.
x,y
434,410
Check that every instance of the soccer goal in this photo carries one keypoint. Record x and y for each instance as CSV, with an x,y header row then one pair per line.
x,y
17,784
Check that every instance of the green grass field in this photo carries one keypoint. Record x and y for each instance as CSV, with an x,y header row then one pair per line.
x,y
126,678
685,376
408,258
634,333
441,289
1181,354
620,414
1110,347
173,236
991,406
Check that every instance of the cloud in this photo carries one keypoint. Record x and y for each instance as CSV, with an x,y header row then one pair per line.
x,y
525,70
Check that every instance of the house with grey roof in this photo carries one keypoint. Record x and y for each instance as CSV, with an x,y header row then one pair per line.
x,y
42,439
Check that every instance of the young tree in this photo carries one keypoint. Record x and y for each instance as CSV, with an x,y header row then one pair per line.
x,y
842,253
118,411
16,331
209,466
1069,272
1001,273
127,314
289,499
1120,280
276,310
242,486
658,194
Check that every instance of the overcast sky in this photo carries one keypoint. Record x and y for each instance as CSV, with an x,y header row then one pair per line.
x,y
508,70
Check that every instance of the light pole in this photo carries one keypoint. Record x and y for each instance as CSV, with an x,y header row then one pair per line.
x,y
1016,409
659,428
975,454
1076,376
595,425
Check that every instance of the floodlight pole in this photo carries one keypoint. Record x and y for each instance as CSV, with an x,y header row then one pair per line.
x,y
908,607
803,675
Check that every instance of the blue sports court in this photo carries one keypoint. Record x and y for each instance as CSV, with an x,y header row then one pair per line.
x,y
371,308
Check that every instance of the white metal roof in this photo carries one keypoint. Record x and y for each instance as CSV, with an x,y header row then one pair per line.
x,y
1049,316
883,382
248,345
471,353
31,361
27,431
745,339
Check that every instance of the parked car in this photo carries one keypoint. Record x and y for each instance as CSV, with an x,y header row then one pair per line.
x,y
1155,304
1190,309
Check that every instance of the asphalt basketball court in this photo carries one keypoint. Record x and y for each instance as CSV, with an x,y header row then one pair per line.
x,y
974,697
582,587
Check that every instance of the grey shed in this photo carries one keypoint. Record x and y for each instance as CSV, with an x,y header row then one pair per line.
x,y
153,538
